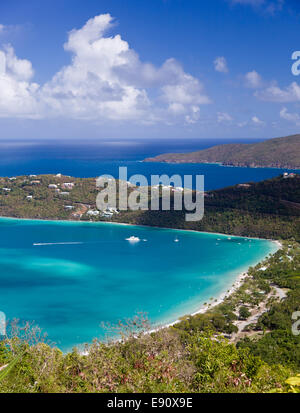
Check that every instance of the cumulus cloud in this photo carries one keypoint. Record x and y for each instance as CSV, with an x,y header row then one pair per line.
x,y
257,121
221,64
17,93
223,117
106,81
274,93
291,117
253,80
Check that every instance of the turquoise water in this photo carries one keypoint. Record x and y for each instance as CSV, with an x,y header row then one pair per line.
x,y
83,274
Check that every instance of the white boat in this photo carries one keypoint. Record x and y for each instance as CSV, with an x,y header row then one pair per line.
x,y
133,239
176,240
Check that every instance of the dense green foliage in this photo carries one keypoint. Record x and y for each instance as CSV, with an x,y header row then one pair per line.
x,y
268,209
158,362
270,337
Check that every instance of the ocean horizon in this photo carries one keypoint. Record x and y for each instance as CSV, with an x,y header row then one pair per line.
x,y
93,159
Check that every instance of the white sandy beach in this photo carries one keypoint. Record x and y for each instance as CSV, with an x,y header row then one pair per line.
x,y
204,308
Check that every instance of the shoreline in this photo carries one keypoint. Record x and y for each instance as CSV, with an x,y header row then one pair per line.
x,y
73,221
224,165
238,282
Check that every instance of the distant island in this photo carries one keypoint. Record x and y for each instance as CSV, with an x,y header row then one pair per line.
x,y
272,153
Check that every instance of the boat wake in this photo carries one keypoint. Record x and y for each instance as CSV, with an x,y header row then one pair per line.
x,y
55,243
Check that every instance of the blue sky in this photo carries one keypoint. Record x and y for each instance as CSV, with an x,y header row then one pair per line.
x,y
148,69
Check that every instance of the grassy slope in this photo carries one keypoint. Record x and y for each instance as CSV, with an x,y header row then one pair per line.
x,y
278,152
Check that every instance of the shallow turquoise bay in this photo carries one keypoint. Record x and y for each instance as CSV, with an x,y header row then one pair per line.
x,y
88,273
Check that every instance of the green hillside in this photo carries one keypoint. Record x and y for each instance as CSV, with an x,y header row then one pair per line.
x,y
279,152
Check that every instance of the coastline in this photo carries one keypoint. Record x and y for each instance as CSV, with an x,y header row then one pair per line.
x,y
73,221
221,297
237,283
290,168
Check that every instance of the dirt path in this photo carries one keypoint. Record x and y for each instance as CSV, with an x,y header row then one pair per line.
x,y
255,314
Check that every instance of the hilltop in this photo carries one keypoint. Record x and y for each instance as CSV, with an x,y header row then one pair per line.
x,y
276,153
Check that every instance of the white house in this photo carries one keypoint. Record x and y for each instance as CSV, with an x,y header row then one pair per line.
x,y
68,185
52,186
93,213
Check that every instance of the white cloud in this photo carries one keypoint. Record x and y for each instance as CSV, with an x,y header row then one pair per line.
x,y
242,124
193,117
291,117
16,91
257,121
105,81
223,117
253,80
2,27
275,94
221,64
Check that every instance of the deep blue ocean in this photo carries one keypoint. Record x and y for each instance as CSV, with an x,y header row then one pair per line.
x,y
89,159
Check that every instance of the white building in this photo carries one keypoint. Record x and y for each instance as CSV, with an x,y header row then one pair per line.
x,y
68,185
52,186
93,213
